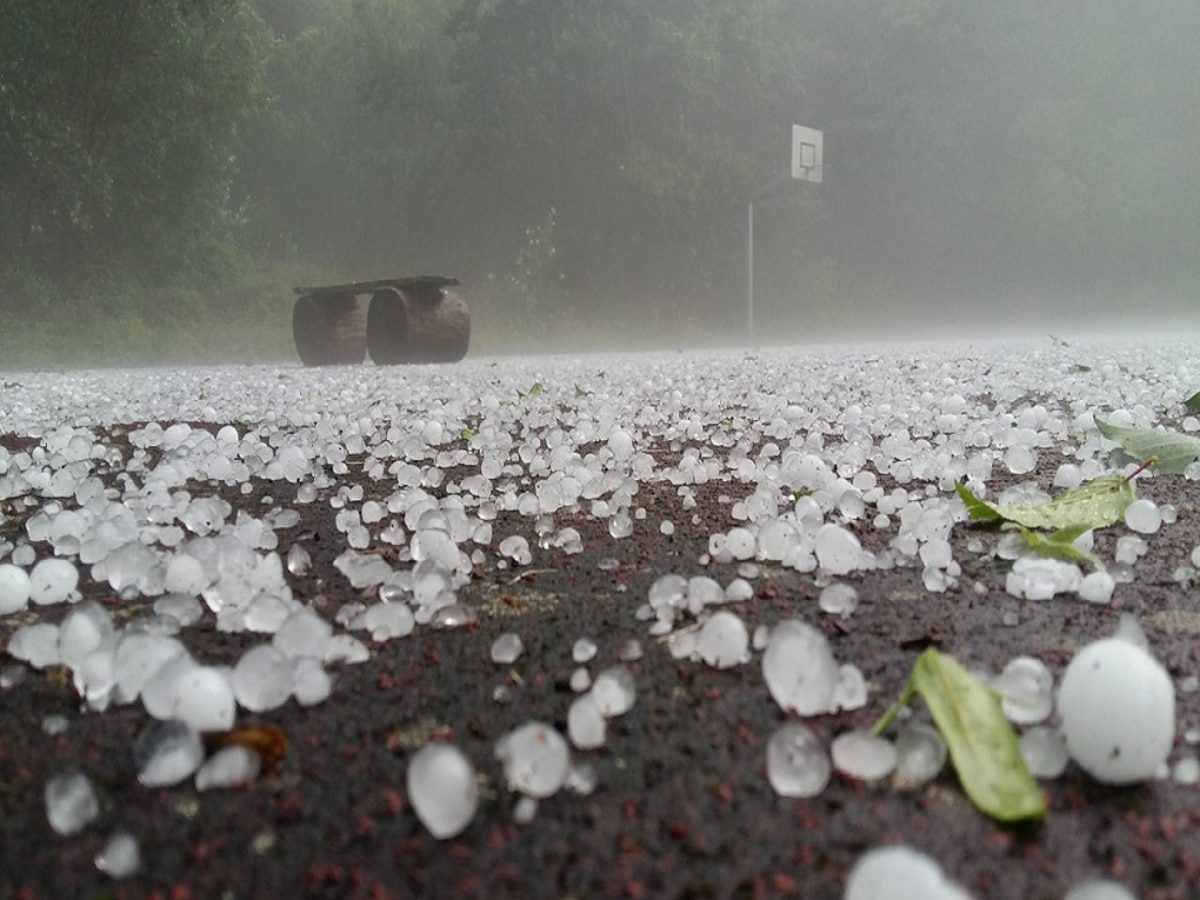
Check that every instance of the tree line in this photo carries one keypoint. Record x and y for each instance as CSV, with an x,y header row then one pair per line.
x,y
565,154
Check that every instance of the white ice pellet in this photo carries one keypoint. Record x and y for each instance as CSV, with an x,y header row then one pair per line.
x,y
120,856
262,679
71,803
899,873
837,550
1100,889
920,754
167,753
1044,751
1026,689
863,755
1097,587
838,599
443,789
1142,516
586,725
507,648
614,691
535,758
15,588
799,668
1117,706
52,580
798,764
723,641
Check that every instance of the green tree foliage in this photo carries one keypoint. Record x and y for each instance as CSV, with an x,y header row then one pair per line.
x,y
119,126
986,149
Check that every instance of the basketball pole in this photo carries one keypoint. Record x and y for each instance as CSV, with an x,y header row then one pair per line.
x,y
750,273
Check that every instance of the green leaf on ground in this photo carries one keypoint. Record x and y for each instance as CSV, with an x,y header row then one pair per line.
x,y
1100,502
1171,451
467,433
1061,544
982,744
1192,403
535,390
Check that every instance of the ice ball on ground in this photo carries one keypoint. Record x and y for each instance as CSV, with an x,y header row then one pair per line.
x,y
311,684
185,575
137,658
1044,751
723,641
262,679
507,648
167,753
839,599
14,589
1020,460
838,550
799,668
120,856
1097,587
82,630
1117,705
535,759
614,691
159,694
228,767
1142,516
204,699
71,803
1100,890
899,873
584,649
388,620
1026,689
586,725
303,633
52,580
863,755
920,754
797,763
443,789
850,692
36,644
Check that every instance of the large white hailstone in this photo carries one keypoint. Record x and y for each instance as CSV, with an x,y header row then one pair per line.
x,y
723,641
799,668
443,789
535,759
899,873
1117,706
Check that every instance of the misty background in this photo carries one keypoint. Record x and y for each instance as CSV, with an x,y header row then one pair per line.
x,y
170,168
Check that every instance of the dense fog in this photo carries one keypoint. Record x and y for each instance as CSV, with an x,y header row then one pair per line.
x,y
986,166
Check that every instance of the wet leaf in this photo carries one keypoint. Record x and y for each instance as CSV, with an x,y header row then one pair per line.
x,y
1192,403
1061,544
266,739
981,742
1171,451
1100,502
467,433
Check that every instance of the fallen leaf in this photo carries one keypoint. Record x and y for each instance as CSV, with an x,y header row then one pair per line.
x,y
1172,452
1100,502
981,742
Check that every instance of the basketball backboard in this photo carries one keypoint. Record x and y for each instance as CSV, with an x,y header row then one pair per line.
x,y
807,153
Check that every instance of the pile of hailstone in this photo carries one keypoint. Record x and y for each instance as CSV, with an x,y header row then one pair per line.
x,y
814,447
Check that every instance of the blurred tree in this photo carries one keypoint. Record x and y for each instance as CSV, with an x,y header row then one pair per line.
x,y
119,125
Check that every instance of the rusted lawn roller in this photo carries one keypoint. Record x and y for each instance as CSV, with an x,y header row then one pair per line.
x,y
329,329
418,320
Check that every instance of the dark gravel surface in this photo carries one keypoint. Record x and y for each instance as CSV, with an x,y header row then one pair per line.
x,y
682,806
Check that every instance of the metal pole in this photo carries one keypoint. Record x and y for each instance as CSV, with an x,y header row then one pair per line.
x,y
750,273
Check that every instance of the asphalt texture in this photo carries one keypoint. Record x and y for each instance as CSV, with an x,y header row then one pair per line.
x,y
682,806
